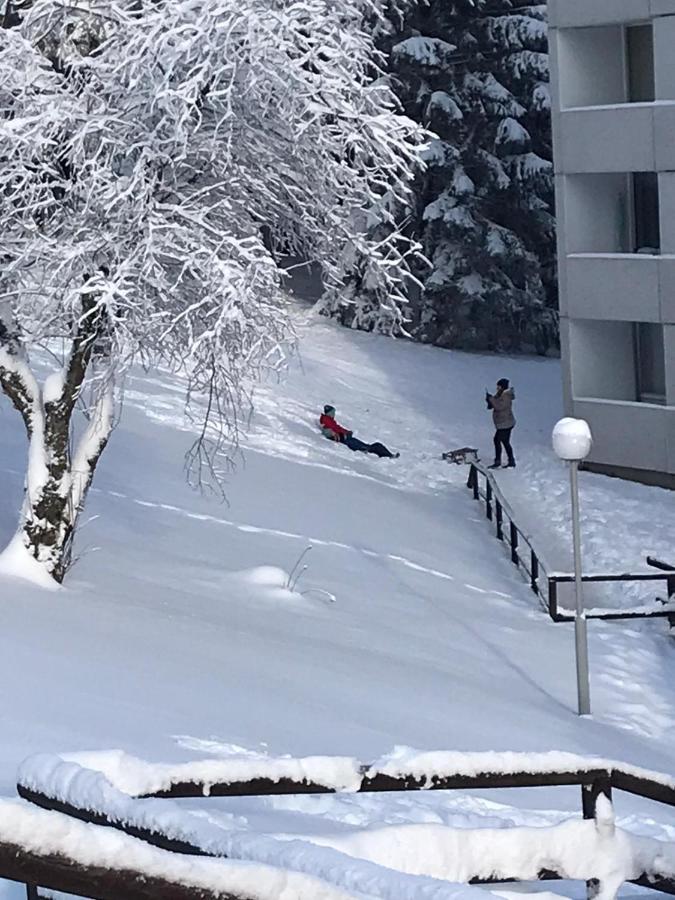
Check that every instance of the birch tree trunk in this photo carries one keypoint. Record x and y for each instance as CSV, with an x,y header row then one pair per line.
x,y
57,477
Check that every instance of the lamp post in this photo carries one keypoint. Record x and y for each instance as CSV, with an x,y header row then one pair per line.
x,y
572,442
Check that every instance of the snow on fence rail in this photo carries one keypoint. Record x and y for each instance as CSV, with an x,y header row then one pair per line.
x,y
591,850
544,580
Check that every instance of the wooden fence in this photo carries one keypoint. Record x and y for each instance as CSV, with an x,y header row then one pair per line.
x,y
543,581
102,885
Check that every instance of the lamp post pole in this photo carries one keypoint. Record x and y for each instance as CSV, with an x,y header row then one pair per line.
x,y
580,630
572,442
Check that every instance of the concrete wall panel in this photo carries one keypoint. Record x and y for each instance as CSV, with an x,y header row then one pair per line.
x,y
669,348
576,13
662,7
667,211
595,213
619,288
670,440
664,136
631,435
667,289
602,358
664,57
591,64
614,139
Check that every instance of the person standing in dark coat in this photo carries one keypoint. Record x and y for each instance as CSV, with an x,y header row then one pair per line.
x,y
501,404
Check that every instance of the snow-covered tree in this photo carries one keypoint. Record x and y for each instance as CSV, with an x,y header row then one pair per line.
x,y
156,156
476,73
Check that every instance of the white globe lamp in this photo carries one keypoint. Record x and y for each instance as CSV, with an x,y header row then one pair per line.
x,y
572,439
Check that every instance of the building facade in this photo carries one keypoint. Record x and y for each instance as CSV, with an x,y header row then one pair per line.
x,y
613,97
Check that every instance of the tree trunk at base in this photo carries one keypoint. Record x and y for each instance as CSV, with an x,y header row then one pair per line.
x,y
58,481
58,476
47,532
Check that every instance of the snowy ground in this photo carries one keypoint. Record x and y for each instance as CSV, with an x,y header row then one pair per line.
x,y
178,639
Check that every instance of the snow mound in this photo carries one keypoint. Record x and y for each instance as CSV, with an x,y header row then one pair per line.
x,y
17,562
265,576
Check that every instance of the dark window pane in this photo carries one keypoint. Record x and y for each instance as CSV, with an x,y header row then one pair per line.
x,y
647,232
650,362
640,52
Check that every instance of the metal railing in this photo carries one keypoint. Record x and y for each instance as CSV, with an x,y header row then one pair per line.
x,y
594,781
543,580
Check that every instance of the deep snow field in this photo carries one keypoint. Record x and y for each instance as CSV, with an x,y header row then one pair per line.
x,y
175,636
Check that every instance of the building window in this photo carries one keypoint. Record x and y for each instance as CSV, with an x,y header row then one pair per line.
x,y
645,227
640,64
650,364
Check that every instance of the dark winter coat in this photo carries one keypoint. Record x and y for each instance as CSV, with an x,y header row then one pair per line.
x,y
502,408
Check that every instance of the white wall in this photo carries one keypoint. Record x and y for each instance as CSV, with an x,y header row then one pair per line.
x,y
630,435
667,211
591,63
572,13
623,288
609,139
664,57
602,359
669,349
596,213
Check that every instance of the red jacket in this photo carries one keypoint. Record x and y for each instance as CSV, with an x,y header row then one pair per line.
x,y
328,424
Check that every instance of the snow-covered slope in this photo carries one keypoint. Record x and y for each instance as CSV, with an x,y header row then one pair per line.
x,y
176,636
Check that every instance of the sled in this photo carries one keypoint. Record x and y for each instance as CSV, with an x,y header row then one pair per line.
x,y
463,456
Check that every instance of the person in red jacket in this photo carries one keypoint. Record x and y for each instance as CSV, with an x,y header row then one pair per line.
x,y
335,432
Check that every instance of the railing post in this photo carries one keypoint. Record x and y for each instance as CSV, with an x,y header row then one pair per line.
x,y
488,499
553,598
601,783
534,572
32,892
500,519
514,543
670,581
473,482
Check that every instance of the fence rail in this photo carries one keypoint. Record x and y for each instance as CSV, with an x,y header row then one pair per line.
x,y
594,782
543,579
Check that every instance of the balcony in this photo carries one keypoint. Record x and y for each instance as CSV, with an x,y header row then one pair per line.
x,y
575,13
627,137
621,287
630,435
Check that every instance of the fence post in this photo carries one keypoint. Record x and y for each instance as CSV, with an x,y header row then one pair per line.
x,y
600,783
473,482
32,892
500,519
514,543
670,581
534,572
553,598
488,499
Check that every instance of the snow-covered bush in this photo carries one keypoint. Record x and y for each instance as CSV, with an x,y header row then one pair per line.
x,y
155,159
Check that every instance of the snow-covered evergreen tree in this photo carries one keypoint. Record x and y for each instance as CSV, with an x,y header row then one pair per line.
x,y
476,73
153,158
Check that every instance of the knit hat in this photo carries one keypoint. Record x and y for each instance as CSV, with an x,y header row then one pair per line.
x,y
503,383
328,410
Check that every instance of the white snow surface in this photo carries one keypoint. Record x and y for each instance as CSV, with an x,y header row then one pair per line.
x,y
177,636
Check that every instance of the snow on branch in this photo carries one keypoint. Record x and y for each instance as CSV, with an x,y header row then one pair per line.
x,y
146,148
